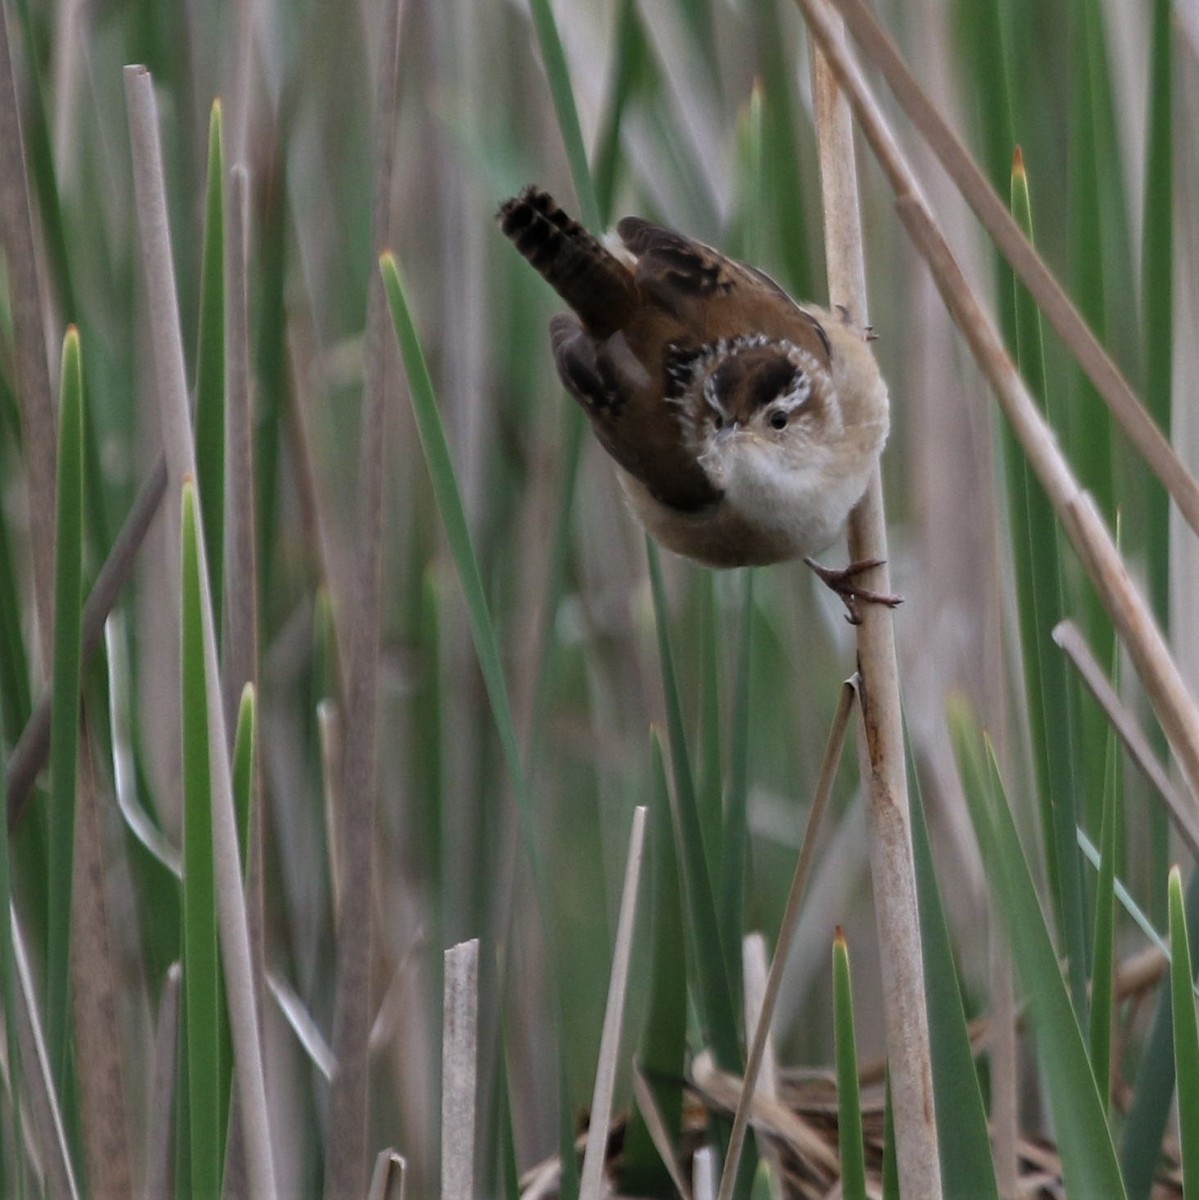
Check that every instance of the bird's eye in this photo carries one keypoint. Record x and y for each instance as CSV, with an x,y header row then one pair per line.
x,y
778,420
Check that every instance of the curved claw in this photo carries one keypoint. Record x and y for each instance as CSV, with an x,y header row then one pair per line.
x,y
840,580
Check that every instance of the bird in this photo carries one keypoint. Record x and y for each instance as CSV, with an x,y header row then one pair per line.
x,y
744,426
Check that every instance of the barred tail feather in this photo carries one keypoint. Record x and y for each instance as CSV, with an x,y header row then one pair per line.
x,y
592,280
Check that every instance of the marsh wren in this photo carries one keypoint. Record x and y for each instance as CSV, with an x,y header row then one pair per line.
x,y
744,426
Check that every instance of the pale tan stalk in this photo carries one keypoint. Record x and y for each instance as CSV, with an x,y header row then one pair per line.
x,y
38,423
94,1001
459,1071
1181,809
754,976
790,922
32,748
346,1168
592,1185
239,662
881,747
154,230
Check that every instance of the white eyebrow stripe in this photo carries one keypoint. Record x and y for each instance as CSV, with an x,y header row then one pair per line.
x,y
711,398
797,397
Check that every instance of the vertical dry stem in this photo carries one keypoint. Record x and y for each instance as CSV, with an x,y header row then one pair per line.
x,y
94,1000
881,745
346,1173
460,1057
32,365
150,192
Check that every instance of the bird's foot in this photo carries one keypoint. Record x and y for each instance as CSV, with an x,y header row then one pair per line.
x,y
841,581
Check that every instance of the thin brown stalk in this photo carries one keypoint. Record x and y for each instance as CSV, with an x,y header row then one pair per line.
x,y
754,975
312,504
991,210
591,1187
1182,810
94,1001
774,981
1085,528
347,1162
150,192
33,368
880,745
33,746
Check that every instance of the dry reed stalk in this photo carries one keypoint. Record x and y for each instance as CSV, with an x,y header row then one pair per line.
x,y
33,746
755,975
790,922
1069,637
591,1187
881,746
346,1166
460,1057
150,192
38,423
94,999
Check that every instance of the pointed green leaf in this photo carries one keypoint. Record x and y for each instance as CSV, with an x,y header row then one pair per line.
x,y
714,997
849,1096
210,371
962,1135
244,751
1084,1141
64,717
201,972
1186,1039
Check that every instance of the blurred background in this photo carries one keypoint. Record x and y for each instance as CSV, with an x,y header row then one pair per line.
x,y
698,114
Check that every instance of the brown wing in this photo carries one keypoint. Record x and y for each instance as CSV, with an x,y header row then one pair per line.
x,y
623,398
712,294
674,268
